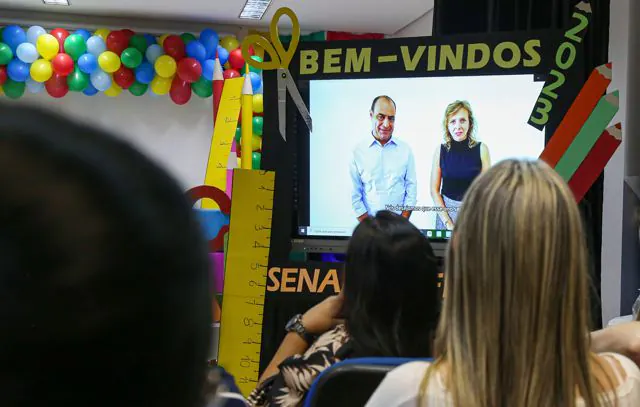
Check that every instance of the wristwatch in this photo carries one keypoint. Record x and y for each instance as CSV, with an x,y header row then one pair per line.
x,y
295,325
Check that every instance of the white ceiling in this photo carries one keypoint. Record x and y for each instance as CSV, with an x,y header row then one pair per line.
x,y
331,15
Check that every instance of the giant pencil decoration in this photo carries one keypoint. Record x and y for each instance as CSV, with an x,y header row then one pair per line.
x,y
588,135
596,160
577,114
246,126
218,84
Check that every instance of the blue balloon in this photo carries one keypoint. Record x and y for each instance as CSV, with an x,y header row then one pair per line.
x,y
88,63
145,73
27,53
101,80
33,86
13,36
154,52
210,40
90,90
96,46
151,39
84,34
256,80
223,55
17,70
208,68
197,51
34,32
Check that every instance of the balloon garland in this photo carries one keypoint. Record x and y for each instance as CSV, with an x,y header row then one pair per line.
x,y
111,62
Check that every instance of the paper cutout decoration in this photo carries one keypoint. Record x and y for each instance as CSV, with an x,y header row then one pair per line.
x,y
588,135
565,57
590,169
225,128
577,114
280,60
246,276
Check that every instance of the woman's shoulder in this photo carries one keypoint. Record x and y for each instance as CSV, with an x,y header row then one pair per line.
x,y
627,376
401,386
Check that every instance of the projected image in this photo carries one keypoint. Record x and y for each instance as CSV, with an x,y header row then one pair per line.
x,y
411,145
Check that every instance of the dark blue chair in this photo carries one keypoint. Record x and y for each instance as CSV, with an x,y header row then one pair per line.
x,y
351,382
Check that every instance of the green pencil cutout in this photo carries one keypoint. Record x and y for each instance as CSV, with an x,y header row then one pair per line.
x,y
599,119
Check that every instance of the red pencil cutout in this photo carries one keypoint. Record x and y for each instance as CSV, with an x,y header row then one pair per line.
x,y
594,163
218,84
577,114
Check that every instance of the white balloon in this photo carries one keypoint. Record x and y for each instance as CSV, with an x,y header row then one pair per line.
x,y
34,32
27,53
96,46
33,86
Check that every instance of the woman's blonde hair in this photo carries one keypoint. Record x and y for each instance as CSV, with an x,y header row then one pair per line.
x,y
514,328
452,109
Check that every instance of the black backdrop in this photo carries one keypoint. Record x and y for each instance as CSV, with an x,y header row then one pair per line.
x,y
486,16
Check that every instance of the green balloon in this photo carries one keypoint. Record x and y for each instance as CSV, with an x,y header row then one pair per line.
x,y
13,89
138,89
238,134
75,46
255,160
131,58
78,80
203,88
258,123
139,42
187,38
251,68
6,55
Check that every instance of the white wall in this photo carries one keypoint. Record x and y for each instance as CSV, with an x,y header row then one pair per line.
x,y
422,27
177,137
612,216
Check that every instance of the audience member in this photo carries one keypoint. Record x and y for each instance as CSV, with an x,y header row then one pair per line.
x,y
514,328
389,306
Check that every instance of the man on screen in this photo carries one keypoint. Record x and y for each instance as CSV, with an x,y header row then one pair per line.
x,y
382,167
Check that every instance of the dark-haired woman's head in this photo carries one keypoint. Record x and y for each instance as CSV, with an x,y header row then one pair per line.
x,y
391,299
104,285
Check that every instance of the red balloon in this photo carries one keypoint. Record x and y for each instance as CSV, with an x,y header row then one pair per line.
x,y
128,33
57,86
236,60
189,70
61,34
117,41
124,77
62,64
230,74
174,47
180,91
3,75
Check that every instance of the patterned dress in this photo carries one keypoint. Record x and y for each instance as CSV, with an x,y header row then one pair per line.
x,y
297,373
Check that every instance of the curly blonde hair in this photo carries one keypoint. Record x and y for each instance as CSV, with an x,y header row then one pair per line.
x,y
452,109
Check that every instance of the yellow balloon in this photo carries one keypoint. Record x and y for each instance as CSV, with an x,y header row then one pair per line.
x,y
2,93
258,103
109,61
230,42
166,66
114,90
256,142
47,46
102,33
160,85
162,38
41,70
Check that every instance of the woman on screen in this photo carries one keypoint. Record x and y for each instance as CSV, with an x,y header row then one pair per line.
x,y
458,161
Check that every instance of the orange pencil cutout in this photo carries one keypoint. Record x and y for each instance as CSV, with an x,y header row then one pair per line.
x,y
577,114
594,163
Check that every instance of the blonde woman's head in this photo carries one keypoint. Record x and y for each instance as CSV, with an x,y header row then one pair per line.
x,y
515,318
459,123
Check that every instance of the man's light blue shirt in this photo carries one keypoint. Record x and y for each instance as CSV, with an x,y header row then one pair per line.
x,y
381,176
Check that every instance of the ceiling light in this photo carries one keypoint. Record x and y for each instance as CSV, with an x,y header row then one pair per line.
x,y
254,9
56,2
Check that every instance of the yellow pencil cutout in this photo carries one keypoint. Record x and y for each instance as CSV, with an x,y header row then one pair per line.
x,y
246,123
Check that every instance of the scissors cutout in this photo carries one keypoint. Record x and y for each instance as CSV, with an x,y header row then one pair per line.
x,y
280,60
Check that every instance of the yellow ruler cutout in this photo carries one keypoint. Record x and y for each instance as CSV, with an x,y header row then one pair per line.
x,y
223,133
246,276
